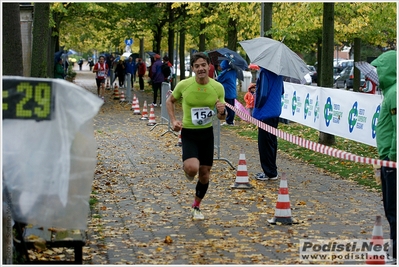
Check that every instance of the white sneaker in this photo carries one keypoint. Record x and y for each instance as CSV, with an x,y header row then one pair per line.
x,y
197,214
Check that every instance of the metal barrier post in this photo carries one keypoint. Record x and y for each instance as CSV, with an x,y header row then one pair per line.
x,y
216,134
128,89
165,92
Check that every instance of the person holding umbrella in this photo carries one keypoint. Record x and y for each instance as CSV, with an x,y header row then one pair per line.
x,y
269,88
228,78
275,60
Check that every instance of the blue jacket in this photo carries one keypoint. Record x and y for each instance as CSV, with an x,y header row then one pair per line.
x,y
228,79
269,88
157,76
131,67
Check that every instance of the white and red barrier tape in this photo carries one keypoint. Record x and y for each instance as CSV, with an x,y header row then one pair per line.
x,y
310,144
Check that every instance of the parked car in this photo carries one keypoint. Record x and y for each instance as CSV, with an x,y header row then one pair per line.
x,y
313,73
336,73
345,78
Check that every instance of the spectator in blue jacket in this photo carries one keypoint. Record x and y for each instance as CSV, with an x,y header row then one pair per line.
x,y
157,78
131,68
269,88
228,78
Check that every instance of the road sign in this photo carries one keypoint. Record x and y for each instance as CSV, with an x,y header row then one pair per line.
x,y
129,41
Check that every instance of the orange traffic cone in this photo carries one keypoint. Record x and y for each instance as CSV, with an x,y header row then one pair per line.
x,y
377,257
179,142
107,85
136,107
144,114
282,212
152,121
116,92
122,98
242,174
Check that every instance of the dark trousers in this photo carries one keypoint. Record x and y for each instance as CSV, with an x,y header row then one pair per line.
x,y
388,184
230,112
157,87
121,79
141,82
267,146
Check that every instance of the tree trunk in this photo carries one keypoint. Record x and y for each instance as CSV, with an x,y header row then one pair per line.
x,y
40,41
141,52
356,72
267,19
318,61
232,34
171,33
327,57
182,57
156,45
12,40
202,36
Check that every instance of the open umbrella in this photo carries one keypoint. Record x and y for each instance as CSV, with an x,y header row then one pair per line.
x,y
253,67
368,70
151,54
71,52
232,56
275,57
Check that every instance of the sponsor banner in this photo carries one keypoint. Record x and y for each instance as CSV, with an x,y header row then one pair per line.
x,y
351,115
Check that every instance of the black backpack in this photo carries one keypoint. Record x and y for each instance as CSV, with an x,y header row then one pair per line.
x,y
165,70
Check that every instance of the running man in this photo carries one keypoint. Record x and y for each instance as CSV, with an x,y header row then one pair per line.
x,y
202,97
101,70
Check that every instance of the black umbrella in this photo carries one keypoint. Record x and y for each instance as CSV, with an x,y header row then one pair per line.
x,y
58,56
230,55
151,54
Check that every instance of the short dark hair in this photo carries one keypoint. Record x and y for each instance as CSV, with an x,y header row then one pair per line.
x,y
197,56
101,57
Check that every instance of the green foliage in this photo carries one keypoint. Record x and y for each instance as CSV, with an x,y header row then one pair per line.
x,y
104,26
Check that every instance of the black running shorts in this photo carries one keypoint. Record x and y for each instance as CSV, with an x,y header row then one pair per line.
x,y
99,82
198,143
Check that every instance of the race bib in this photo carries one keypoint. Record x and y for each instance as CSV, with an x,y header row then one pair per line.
x,y
101,73
201,116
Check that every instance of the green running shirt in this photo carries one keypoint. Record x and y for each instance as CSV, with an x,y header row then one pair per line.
x,y
198,101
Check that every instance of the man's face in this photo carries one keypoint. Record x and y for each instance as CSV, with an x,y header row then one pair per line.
x,y
200,68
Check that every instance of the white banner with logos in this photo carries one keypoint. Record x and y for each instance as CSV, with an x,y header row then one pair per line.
x,y
351,115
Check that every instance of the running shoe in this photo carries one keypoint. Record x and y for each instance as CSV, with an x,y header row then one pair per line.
x,y
189,177
262,177
197,214
228,124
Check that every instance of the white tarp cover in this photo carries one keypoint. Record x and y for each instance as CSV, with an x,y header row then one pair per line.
x,y
48,165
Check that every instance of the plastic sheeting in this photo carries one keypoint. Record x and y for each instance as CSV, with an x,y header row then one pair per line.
x,y
48,165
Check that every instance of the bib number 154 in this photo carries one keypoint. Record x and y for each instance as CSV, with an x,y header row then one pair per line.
x,y
201,116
